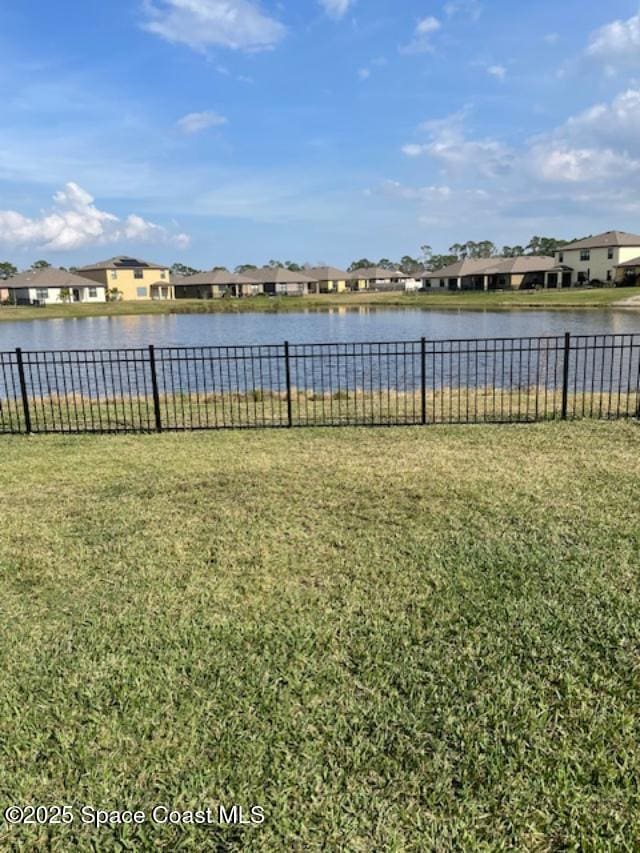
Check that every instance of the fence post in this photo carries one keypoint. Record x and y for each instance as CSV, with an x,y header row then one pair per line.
x,y
23,391
423,379
565,375
287,366
154,386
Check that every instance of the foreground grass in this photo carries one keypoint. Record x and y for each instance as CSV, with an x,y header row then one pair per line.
x,y
589,298
408,639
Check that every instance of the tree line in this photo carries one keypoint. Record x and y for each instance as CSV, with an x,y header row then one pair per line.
x,y
427,261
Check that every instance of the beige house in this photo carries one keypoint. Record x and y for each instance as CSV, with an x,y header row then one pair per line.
x,y
215,284
277,281
133,278
599,258
381,279
330,279
629,272
52,286
519,273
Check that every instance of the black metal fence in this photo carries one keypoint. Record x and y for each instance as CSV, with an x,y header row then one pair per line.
x,y
498,380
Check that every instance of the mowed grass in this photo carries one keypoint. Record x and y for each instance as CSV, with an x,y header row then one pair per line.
x,y
403,639
467,300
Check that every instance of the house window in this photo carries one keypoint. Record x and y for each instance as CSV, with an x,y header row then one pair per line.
x,y
585,254
42,294
114,274
138,274
93,293
561,257
609,276
163,274
141,292
582,278
610,254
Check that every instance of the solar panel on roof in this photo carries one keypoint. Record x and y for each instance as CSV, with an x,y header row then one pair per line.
x,y
130,262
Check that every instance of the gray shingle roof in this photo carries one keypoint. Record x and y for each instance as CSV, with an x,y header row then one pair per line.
x,y
124,262
604,241
49,277
212,277
495,266
371,273
634,262
328,274
279,275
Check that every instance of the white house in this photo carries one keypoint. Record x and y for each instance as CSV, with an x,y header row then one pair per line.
x,y
52,286
597,258
379,278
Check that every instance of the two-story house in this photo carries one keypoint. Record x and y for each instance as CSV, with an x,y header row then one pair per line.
x,y
597,258
132,278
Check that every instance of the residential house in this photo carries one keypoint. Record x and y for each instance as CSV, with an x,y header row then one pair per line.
x,y
520,273
50,286
381,279
277,281
133,278
599,258
330,279
214,284
4,292
629,272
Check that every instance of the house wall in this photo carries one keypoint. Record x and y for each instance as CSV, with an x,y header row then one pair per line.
x,y
128,284
30,294
599,266
333,286
4,294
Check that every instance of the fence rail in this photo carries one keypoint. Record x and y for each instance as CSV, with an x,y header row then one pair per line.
x,y
493,380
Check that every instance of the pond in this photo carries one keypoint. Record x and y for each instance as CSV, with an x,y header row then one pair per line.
x,y
335,325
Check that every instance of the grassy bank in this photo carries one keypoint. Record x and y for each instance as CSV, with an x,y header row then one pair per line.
x,y
391,640
592,298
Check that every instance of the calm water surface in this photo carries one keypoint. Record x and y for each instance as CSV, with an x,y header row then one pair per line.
x,y
336,325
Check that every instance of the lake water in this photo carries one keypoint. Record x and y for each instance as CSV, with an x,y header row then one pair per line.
x,y
335,325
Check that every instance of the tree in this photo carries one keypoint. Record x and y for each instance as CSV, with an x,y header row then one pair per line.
x,y
545,245
7,270
427,253
386,264
244,267
275,264
64,295
183,270
362,264
411,266
40,265
293,267
113,295
438,262
513,251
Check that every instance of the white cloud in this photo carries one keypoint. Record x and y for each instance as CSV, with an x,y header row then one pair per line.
x,y
364,73
235,24
449,145
336,8
195,122
422,37
573,165
498,71
75,222
472,9
617,43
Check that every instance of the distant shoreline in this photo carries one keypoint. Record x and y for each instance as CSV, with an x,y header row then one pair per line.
x,y
570,299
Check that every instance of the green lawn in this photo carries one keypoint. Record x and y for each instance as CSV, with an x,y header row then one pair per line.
x,y
402,639
589,298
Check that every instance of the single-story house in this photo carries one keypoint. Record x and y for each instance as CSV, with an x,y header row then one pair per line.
x,y
520,273
4,292
628,272
330,279
381,279
51,286
600,258
277,281
214,284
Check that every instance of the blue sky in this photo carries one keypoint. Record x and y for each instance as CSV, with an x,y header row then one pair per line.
x,y
228,131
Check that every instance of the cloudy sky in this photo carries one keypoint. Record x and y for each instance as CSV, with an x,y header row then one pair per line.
x,y
228,131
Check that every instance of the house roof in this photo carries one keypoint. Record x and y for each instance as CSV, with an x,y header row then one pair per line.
x,y
371,273
49,277
279,275
495,266
123,262
328,274
211,277
634,262
604,241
